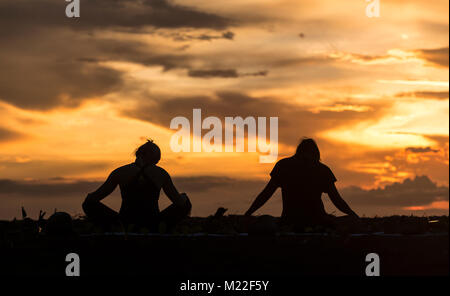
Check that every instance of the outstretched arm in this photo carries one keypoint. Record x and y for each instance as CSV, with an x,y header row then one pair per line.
x,y
263,197
339,202
105,189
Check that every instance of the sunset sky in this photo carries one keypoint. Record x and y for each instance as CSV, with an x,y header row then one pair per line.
x,y
78,96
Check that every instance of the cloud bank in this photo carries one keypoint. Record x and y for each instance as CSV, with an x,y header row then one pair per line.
x,y
209,192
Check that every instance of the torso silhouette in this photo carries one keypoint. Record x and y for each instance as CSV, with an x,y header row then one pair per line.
x,y
140,188
302,185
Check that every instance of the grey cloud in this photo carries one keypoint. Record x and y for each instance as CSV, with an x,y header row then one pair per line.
x,y
421,149
60,187
207,183
227,73
294,121
437,56
259,73
209,192
9,135
48,60
441,139
53,72
439,95
137,52
38,85
222,73
107,14
300,61
419,191
46,189
228,35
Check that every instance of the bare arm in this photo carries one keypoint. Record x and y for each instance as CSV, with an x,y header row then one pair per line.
x,y
339,202
172,193
263,197
105,189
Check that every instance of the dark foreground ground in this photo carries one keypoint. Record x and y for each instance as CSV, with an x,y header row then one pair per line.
x,y
225,246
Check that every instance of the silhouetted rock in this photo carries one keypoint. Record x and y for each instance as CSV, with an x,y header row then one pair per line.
x,y
59,224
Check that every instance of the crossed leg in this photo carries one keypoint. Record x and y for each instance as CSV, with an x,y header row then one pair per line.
x,y
106,217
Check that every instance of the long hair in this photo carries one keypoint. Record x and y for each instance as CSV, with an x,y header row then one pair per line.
x,y
308,150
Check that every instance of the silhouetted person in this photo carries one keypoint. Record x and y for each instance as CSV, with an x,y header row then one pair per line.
x,y
140,183
303,179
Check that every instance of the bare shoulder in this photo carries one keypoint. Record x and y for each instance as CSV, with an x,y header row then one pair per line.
x,y
125,168
324,166
124,171
159,175
162,172
326,171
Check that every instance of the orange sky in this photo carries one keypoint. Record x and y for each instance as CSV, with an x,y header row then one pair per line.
x,y
78,96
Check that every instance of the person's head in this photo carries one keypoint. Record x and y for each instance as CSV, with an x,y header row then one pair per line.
x,y
308,150
149,152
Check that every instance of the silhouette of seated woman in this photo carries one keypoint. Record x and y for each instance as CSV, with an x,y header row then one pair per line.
x,y
303,179
140,183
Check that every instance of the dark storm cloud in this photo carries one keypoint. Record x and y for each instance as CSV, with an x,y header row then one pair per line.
x,y
294,121
9,135
41,85
419,191
439,95
140,53
47,70
107,14
48,60
438,56
421,149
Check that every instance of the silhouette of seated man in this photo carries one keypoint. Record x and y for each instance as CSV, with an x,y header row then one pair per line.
x,y
303,179
140,183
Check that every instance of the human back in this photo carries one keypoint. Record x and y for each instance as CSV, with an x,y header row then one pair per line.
x,y
140,187
140,184
302,184
303,178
